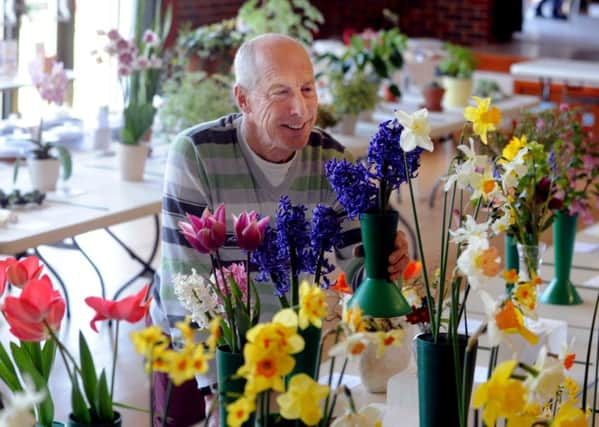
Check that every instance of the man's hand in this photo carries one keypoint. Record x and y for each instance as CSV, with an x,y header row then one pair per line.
x,y
398,260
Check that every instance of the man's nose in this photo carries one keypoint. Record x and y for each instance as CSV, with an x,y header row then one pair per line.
x,y
298,104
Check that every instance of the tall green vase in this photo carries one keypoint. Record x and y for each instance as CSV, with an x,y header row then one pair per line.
x,y
511,257
376,295
306,361
229,389
561,291
437,392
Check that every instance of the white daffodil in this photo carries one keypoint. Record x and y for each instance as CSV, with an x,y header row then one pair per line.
x,y
353,346
470,230
485,186
18,410
416,132
514,170
369,416
479,262
550,376
502,223
465,174
479,160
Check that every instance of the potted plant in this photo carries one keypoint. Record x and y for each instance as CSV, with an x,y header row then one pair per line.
x,y
326,116
192,98
210,48
296,18
457,68
139,65
351,95
433,94
46,158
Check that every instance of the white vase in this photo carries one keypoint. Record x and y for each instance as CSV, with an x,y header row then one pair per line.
x,y
375,372
132,161
43,173
457,92
347,125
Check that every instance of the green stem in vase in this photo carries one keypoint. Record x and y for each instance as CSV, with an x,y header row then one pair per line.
x,y
319,267
294,278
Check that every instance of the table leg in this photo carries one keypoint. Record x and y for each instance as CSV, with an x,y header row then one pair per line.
x,y
147,268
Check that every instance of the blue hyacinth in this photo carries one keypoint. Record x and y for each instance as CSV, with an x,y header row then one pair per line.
x,y
351,183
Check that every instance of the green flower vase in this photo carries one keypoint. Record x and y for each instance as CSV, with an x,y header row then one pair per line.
x,y
376,295
511,257
54,424
229,389
117,422
437,392
306,361
561,291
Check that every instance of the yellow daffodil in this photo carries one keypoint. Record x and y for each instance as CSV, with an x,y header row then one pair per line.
x,y
531,413
302,400
265,369
385,340
569,416
512,148
352,317
510,276
179,366
509,320
148,339
571,387
239,411
501,396
215,333
484,118
276,337
187,331
525,295
313,307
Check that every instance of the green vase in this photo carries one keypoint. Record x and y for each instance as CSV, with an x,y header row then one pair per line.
x,y
437,392
118,422
275,420
511,258
377,296
229,389
561,291
306,361
54,424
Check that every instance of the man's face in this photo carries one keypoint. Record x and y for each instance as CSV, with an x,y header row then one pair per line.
x,y
282,106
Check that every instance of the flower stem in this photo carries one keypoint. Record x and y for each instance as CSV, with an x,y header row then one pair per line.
x,y
319,267
114,356
294,278
62,347
248,286
427,287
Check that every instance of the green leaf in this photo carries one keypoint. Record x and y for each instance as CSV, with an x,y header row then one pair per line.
x,y
35,353
46,409
15,169
65,161
88,373
138,118
104,404
79,408
256,298
8,372
48,356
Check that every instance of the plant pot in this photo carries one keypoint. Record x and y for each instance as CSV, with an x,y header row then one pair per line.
x,y
229,390
366,115
375,372
347,124
437,390
433,96
457,92
306,361
54,424
132,161
376,295
118,422
43,173
561,291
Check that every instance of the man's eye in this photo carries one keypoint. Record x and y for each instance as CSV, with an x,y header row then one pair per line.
x,y
281,92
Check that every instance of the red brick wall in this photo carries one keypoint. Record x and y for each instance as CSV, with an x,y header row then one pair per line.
x,y
467,22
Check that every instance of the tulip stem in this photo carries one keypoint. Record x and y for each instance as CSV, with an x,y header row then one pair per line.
x,y
62,348
114,356
248,286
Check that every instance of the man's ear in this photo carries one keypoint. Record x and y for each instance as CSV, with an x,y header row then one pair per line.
x,y
241,98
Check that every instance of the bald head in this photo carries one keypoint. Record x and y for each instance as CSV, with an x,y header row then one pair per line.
x,y
254,53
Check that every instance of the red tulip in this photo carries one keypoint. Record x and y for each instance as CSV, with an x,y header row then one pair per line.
x,y
249,231
38,305
17,273
206,233
131,308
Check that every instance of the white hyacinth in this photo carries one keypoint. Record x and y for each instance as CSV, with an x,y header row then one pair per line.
x,y
197,297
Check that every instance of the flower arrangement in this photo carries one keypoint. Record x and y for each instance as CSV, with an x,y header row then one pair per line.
x,y
138,65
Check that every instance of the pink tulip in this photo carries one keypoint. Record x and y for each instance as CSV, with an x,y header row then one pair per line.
x,y
208,232
249,231
38,307
132,308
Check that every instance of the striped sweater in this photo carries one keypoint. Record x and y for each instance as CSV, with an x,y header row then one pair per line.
x,y
210,164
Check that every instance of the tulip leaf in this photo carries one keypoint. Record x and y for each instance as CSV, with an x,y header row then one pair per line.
x,y
8,372
48,356
227,337
256,298
81,413
104,403
88,373
35,353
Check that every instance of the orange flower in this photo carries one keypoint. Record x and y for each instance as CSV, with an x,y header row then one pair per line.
x,y
413,270
510,276
341,285
569,360
488,263
509,320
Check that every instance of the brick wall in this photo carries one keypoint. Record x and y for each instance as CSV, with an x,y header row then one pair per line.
x,y
467,22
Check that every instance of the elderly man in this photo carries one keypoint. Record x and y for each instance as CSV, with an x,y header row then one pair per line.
x,y
247,161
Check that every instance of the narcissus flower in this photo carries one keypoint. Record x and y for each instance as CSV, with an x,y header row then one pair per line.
x,y
313,307
353,346
265,369
302,400
416,130
569,416
239,411
484,118
386,340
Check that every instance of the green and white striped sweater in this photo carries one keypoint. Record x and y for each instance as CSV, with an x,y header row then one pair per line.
x,y
209,164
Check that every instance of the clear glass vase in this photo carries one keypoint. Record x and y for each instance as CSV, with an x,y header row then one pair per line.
x,y
530,258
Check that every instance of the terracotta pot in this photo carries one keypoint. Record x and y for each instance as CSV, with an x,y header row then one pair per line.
x,y
433,95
